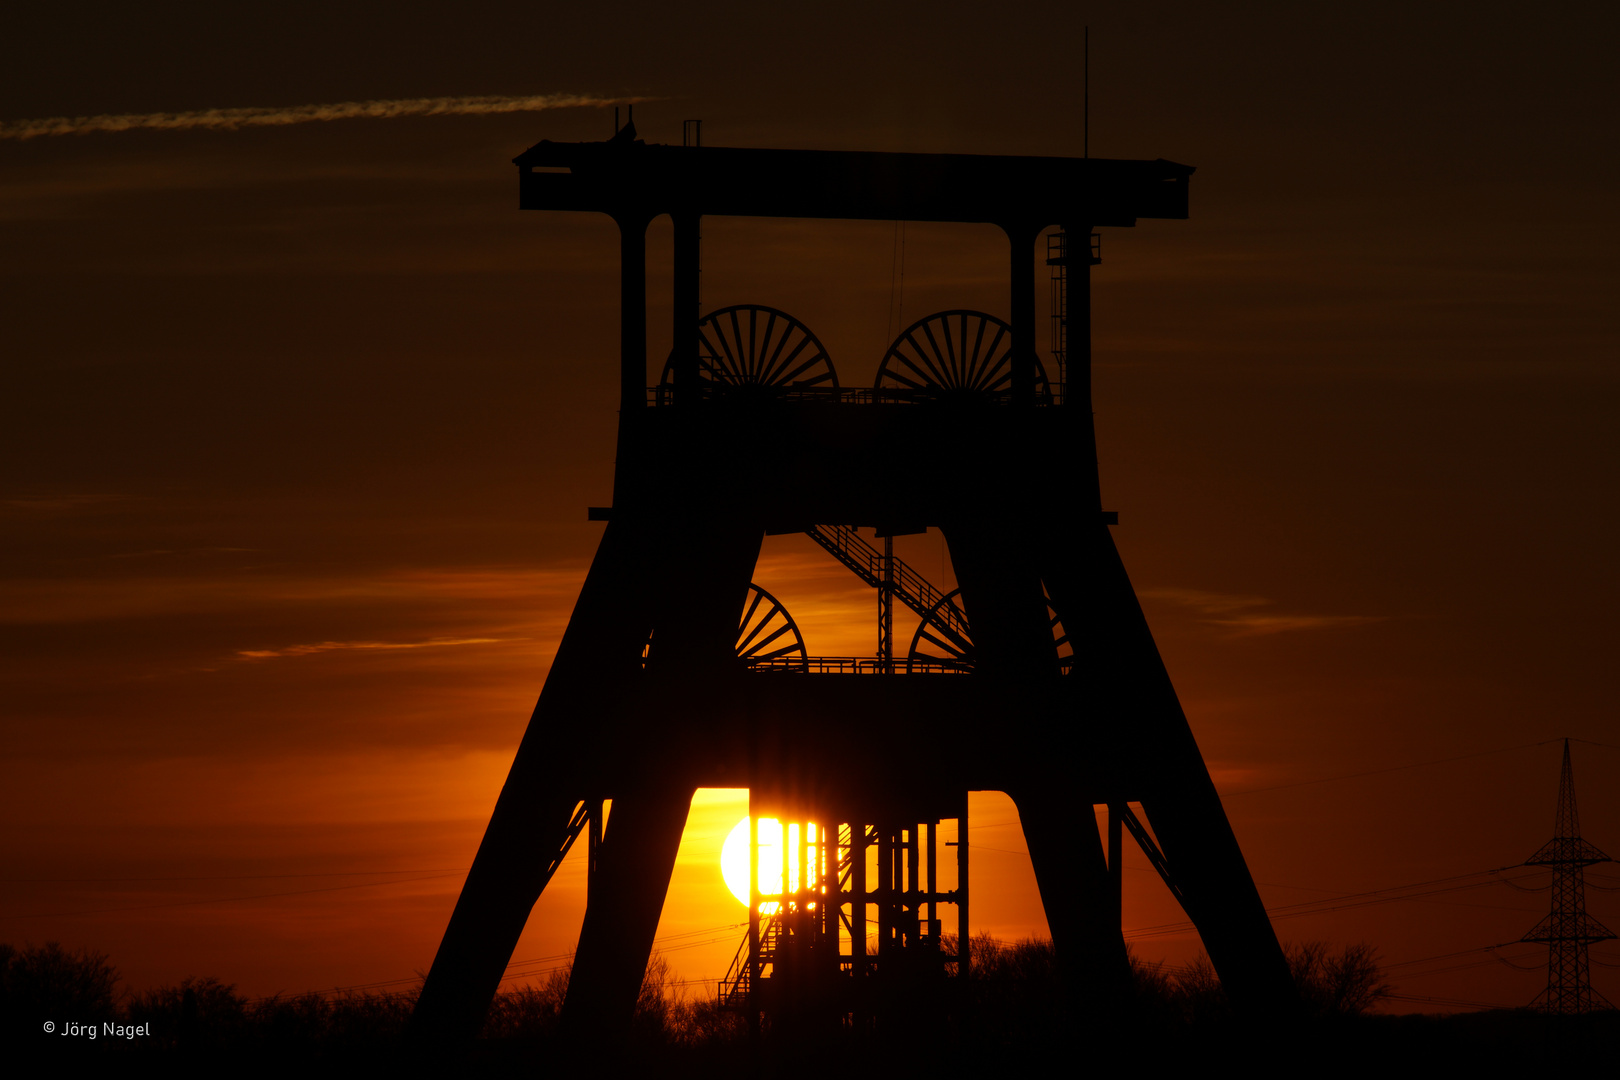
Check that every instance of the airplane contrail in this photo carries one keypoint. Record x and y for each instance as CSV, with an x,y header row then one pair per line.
x,y
232,119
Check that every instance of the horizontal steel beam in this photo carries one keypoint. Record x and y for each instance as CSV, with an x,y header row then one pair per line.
x,y
630,177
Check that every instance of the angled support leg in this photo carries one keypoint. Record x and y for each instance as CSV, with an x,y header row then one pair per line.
x,y
632,877
1077,889
533,814
1133,697
695,614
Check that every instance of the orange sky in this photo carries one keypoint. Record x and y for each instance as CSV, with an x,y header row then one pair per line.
x,y
300,424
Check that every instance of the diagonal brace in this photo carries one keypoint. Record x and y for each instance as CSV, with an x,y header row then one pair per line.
x,y
1123,812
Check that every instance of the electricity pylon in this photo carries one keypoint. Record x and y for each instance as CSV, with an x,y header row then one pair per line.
x,y
1568,931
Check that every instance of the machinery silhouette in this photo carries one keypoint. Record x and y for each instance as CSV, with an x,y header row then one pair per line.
x,y
1039,677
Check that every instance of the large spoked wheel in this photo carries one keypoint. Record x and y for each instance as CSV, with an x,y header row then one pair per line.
x,y
767,636
749,348
953,355
944,639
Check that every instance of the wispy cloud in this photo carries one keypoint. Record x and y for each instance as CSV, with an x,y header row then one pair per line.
x,y
281,116
94,598
330,646
53,505
1243,615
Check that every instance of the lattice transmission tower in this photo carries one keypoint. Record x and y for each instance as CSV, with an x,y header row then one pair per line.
x,y
1568,931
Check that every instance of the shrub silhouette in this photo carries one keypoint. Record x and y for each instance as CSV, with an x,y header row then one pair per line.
x,y
1346,983
528,1012
1015,1004
48,982
202,1013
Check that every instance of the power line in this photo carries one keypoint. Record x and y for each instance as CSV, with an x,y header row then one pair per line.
x,y
233,877
558,961
1456,1003
1438,956
1308,888
1344,902
1390,769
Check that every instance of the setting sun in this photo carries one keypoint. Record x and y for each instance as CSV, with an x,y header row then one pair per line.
x,y
734,860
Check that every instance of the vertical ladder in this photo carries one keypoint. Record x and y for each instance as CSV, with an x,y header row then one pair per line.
x,y
886,608
1057,257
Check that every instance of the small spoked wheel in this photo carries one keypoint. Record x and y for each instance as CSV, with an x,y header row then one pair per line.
x,y
748,347
944,639
954,355
767,636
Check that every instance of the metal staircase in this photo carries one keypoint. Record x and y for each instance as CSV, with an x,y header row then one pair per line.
x,y
910,587
738,985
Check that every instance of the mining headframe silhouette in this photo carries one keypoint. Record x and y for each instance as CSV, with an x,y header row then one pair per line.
x,y
1038,677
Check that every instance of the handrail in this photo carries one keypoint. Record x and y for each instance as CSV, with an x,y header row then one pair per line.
x,y
862,665
664,394
914,590
738,982
737,975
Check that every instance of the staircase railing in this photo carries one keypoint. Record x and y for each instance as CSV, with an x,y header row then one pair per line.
x,y
739,981
914,590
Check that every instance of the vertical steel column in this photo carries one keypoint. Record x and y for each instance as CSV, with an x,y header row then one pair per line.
x,y
913,886
688,266
885,894
827,886
1021,238
632,354
1077,316
857,902
802,892
1077,355
886,609
632,315
931,838
963,934
782,899
753,915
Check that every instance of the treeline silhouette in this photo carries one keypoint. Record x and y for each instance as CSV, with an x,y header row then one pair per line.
x,y
1015,1008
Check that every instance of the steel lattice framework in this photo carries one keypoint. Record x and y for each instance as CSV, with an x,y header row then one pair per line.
x,y
1568,931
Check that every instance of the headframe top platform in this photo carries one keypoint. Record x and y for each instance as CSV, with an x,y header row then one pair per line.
x,y
630,175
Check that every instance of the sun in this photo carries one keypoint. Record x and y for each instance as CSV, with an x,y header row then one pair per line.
x,y
734,859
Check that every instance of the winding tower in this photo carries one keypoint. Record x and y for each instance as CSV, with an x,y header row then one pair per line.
x,y
1039,677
